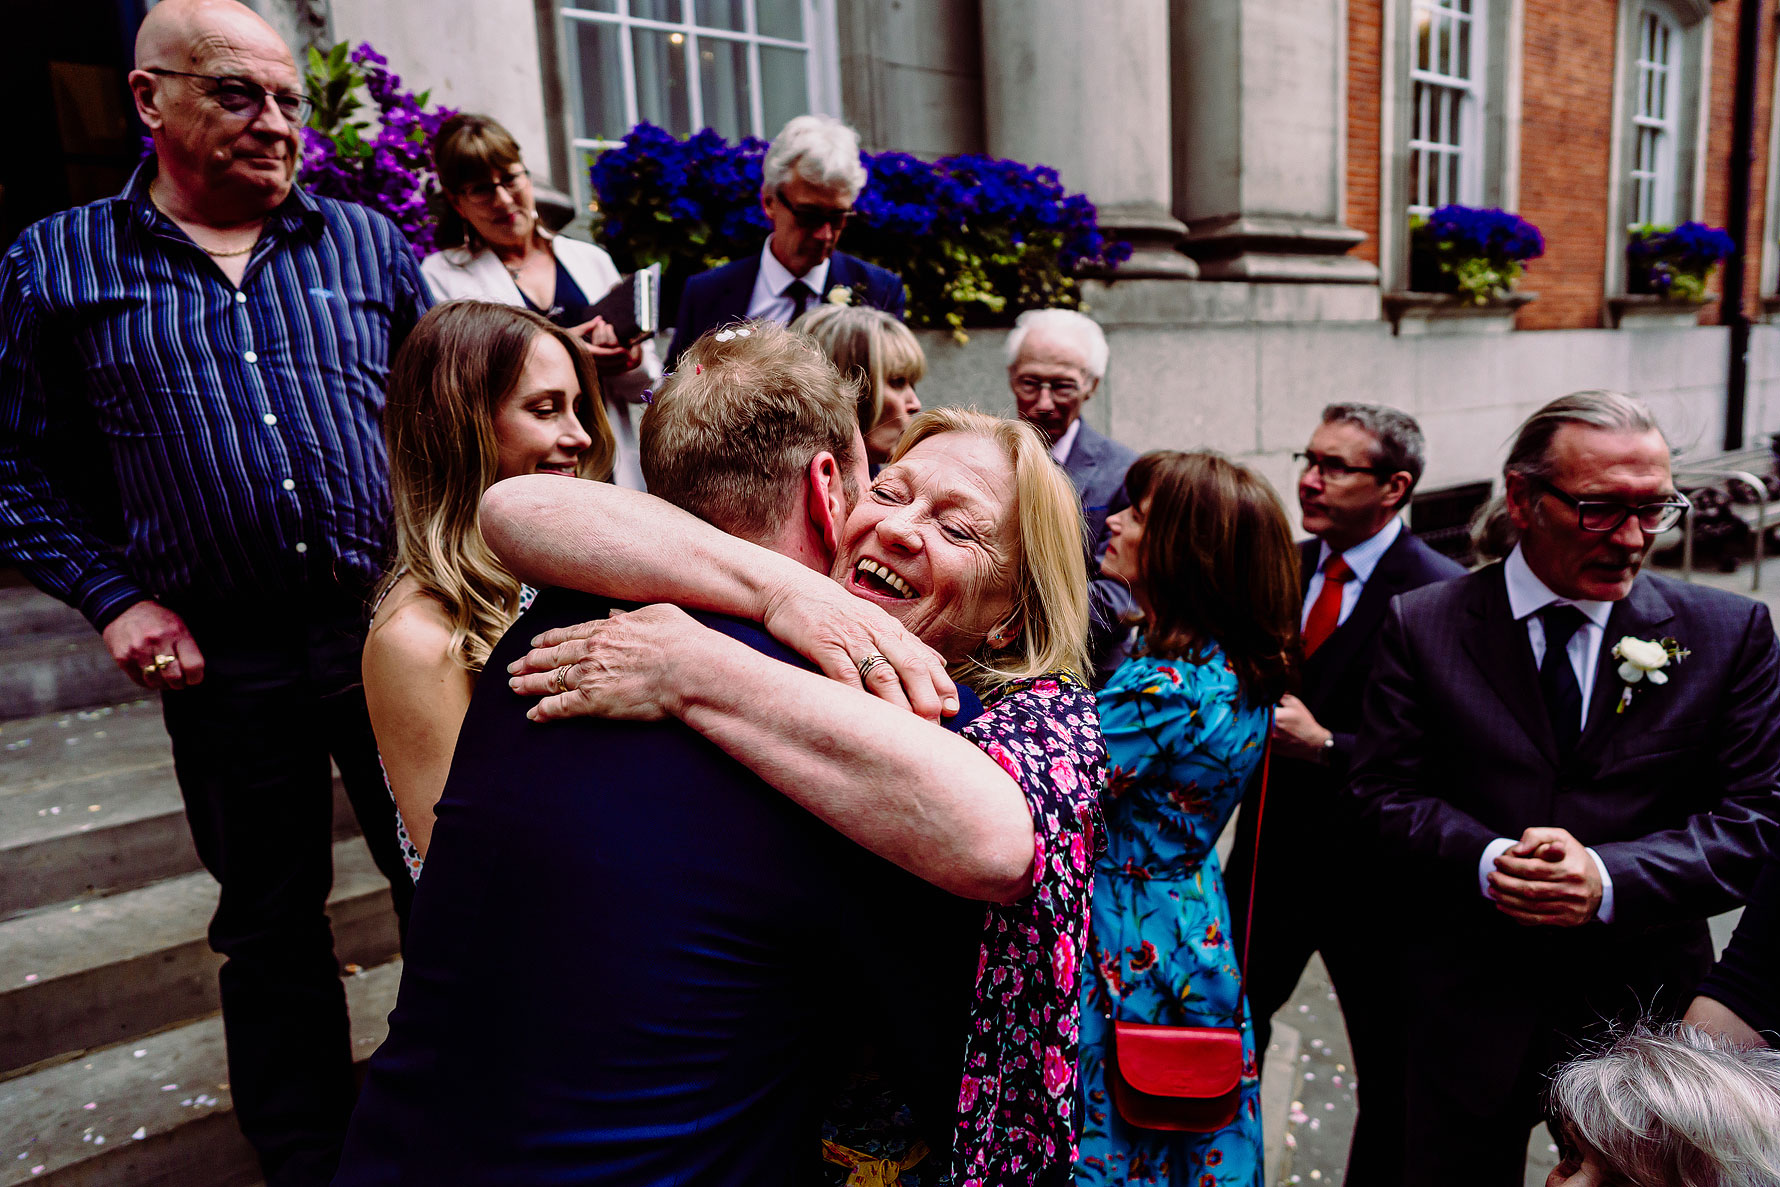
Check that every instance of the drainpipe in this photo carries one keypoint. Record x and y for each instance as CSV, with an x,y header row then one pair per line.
x,y
1741,164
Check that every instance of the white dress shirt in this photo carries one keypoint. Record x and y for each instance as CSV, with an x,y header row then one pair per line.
x,y
769,300
1362,558
1527,595
1065,443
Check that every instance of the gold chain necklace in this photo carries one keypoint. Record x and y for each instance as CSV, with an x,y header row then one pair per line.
x,y
218,255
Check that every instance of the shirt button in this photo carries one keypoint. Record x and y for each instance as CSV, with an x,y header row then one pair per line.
x,y
290,484
302,547
269,419
251,357
240,297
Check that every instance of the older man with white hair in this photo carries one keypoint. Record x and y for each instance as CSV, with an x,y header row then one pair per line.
x,y
810,179
1055,361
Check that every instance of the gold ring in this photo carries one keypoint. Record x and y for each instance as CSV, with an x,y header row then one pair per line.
x,y
561,679
869,662
162,661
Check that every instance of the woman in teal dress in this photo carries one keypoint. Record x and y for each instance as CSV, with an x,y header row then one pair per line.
x,y
1207,551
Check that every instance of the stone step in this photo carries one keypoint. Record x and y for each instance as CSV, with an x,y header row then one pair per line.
x,y
79,976
152,1112
41,672
26,610
89,806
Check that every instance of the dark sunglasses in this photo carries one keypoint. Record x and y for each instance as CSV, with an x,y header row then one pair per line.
x,y
1600,515
813,218
243,97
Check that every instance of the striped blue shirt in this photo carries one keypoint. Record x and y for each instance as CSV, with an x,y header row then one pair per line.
x,y
243,427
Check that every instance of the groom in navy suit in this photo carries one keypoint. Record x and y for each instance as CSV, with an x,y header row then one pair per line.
x,y
1564,797
809,181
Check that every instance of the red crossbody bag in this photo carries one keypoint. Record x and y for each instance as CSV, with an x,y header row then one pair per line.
x,y
1187,1078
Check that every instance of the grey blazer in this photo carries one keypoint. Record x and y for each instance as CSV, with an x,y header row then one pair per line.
x,y
1097,466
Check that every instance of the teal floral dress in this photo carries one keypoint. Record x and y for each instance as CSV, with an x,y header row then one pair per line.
x,y
1182,746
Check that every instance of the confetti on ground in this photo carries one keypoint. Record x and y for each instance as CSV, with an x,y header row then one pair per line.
x,y
30,977
141,1132
169,1088
91,1104
139,1052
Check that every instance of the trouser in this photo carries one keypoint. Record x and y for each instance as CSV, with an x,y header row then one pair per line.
x,y
1299,911
281,694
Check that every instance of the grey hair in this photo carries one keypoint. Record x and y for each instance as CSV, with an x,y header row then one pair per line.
x,y
1401,445
1493,534
1675,1107
820,150
1067,323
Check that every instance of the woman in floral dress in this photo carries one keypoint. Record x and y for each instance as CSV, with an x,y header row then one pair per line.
x,y
970,539
1207,551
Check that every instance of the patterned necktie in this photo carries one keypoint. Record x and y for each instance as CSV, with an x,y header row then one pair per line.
x,y
801,295
1557,676
1325,612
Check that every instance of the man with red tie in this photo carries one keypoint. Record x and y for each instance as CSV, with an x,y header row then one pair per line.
x,y
1362,462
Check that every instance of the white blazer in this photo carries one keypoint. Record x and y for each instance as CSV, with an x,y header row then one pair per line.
x,y
456,274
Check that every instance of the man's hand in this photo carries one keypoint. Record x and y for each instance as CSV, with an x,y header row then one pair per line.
x,y
1547,879
1296,733
837,632
146,632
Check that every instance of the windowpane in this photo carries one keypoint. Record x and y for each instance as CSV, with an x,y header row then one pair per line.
x,y
722,14
593,5
662,96
1452,178
784,86
723,86
1464,68
779,18
1424,35
658,10
601,67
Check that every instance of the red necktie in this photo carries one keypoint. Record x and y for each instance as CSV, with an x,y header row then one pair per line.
x,y
1325,612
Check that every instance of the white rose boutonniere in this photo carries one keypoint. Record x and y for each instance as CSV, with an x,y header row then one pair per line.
x,y
1642,661
839,295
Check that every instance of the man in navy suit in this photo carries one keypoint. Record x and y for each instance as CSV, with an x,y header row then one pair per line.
x,y
1056,359
631,960
809,181
1360,467
1564,797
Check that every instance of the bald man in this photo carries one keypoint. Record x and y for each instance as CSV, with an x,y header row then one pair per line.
x,y
225,336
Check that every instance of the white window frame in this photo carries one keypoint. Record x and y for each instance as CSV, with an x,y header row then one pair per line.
x,y
821,63
1653,185
1451,100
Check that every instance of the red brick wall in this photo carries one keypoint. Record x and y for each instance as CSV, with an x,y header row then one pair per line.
x,y
1365,56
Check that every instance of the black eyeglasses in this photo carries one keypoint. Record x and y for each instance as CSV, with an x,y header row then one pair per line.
x,y
813,218
1600,515
483,192
1334,469
244,97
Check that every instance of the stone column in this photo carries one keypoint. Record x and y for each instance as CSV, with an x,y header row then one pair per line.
x,y
1259,105
1084,88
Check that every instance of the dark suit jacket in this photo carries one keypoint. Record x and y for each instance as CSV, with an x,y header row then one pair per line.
x,y
620,966
1097,466
1678,794
720,296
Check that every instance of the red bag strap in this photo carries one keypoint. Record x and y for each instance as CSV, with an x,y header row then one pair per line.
x,y
1254,865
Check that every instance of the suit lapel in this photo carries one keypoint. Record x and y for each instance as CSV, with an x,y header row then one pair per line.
x,y
840,272
1640,614
1084,458
1499,647
739,291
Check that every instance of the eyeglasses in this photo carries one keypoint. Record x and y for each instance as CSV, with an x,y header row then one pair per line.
x,y
1600,515
483,192
243,97
813,218
1060,389
1333,469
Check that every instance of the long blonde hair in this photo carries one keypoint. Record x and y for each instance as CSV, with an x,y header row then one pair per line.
x,y
1050,572
447,382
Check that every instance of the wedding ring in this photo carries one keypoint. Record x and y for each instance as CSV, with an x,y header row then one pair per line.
x,y
869,662
162,661
561,679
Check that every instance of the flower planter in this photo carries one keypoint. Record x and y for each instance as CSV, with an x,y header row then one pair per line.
x,y
1647,311
1416,314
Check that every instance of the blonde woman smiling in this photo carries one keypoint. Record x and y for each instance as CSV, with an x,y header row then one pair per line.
x,y
479,392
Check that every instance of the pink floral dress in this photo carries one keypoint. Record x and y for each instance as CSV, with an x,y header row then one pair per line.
x,y
1017,1120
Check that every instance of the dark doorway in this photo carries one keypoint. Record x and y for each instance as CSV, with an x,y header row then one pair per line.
x,y
72,136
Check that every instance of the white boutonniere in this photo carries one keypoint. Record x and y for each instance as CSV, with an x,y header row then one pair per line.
x,y
839,295
1641,661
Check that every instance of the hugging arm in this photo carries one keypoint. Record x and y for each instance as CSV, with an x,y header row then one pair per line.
x,y
600,538
908,790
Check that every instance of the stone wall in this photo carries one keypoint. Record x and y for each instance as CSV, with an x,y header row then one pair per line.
x,y
1254,388
912,75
